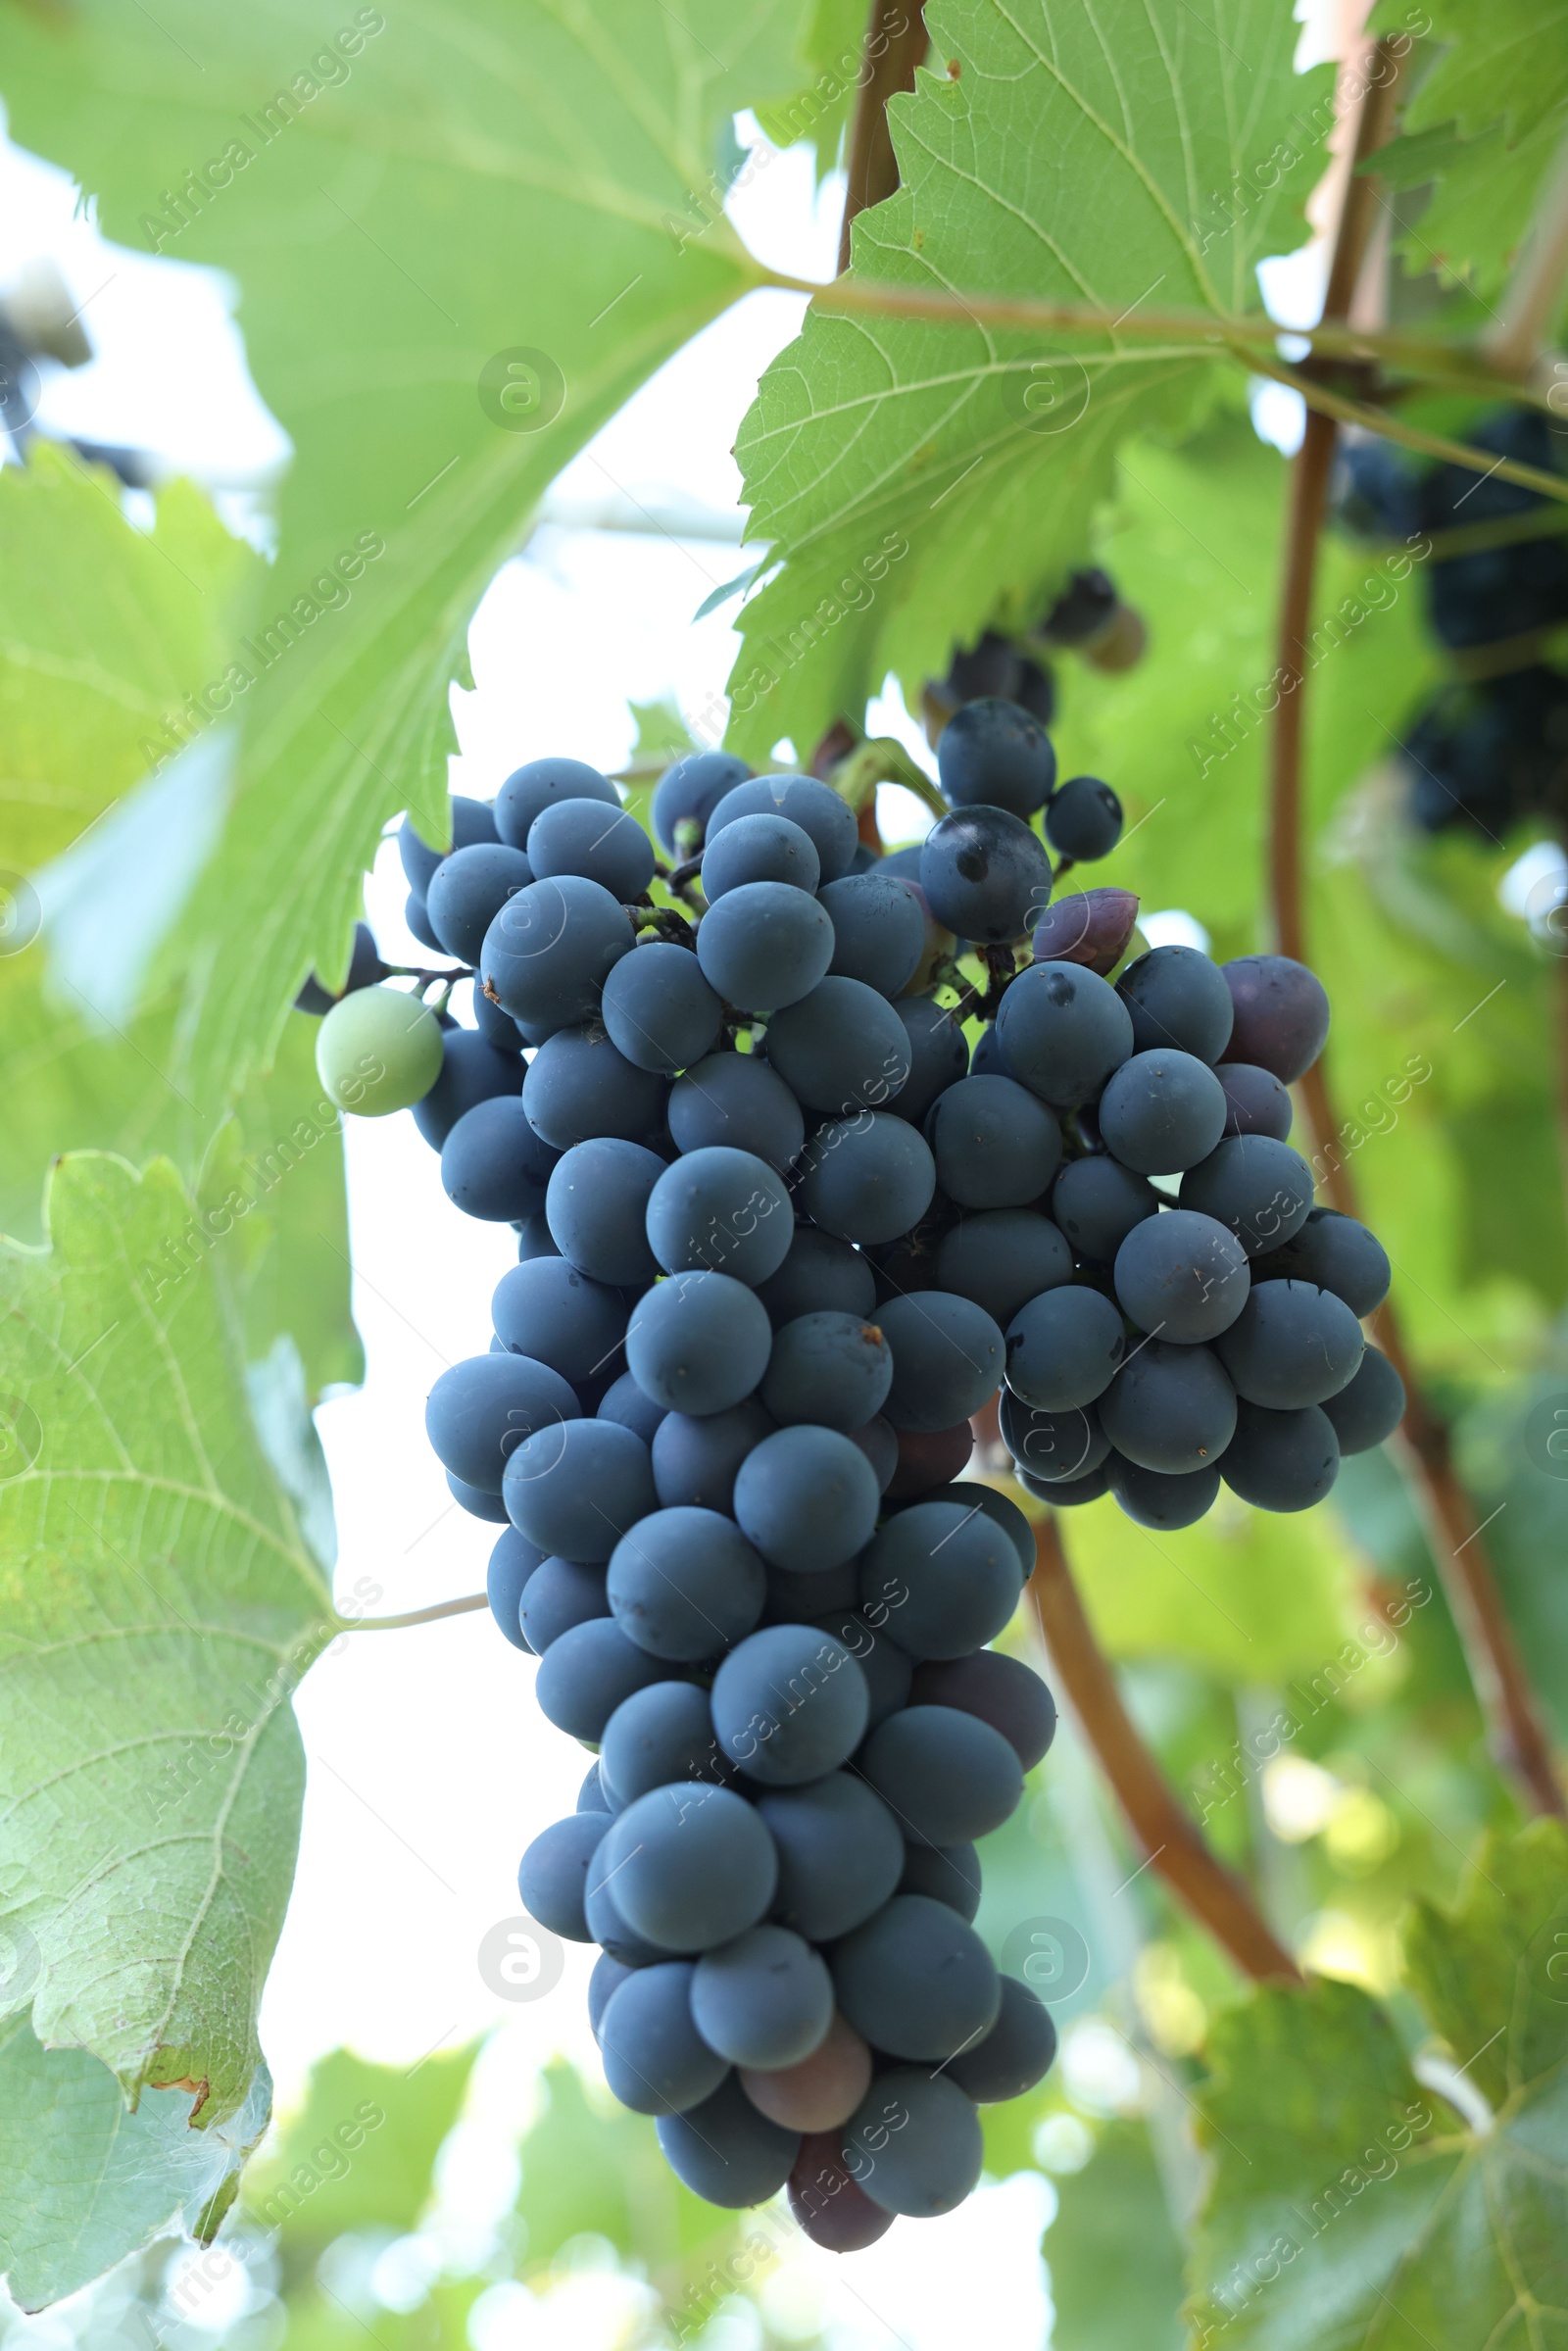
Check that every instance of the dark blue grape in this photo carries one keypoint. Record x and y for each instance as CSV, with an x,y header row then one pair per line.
x,y
575,1488
659,1012
947,1873
1084,818
942,1577
878,1440
986,876
597,1204
986,1060
467,891
1255,1102
1000,1690
1062,1030
725,2151
914,2144
1370,1409
1153,1497
759,849
1291,1345
1002,1511
867,1179
419,922
472,1071
815,807
480,1409
511,1563
607,1977
722,1211
1002,1259
690,1866
1179,1002
549,1310
1018,2052
471,820
788,1705
879,929
1098,1202
939,1055
655,2060
493,1164
1335,1252
1064,1348
1066,1494
1163,1111
1183,1275
915,1979
366,970
530,789
579,1087
843,1048
996,1145
1170,1408
496,1027
535,1239
820,1275
603,845
591,1796
1280,1014
624,1400
1054,1447
834,1369
734,1099
550,950
992,754
764,945
696,1459
1261,1189
885,1667
945,1775
699,1343
684,1584
807,1498
588,1673
840,1853
764,1999
948,1358
687,794
1281,1460
560,1594
553,1876
610,1930
477,1504
658,1737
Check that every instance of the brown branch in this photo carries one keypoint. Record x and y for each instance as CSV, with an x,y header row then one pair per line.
x,y
896,41
1217,1900
1497,1670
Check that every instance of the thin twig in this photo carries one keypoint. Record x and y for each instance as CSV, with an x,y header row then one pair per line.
x,y
1335,405
896,41
1218,1900
414,1616
1497,1669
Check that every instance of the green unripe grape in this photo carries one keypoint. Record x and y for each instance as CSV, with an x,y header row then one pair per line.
x,y
377,1052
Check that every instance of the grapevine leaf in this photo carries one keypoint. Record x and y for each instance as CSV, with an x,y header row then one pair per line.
x,y
83,2181
407,203
361,2151
922,481
160,1606
1353,2205
821,110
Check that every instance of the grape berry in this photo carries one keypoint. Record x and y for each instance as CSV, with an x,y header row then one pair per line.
x,y
778,1243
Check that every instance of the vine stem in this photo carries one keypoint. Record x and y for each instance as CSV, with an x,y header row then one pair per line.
x,y
416,1616
896,43
1171,1844
1497,1674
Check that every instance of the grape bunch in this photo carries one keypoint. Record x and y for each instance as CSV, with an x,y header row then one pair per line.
x,y
1490,749
1088,617
781,1238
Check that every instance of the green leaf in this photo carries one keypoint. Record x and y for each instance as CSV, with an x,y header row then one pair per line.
x,y
160,1605
1504,62
83,2181
404,201
823,108
1115,2261
1348,2205
362,2150
921,481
